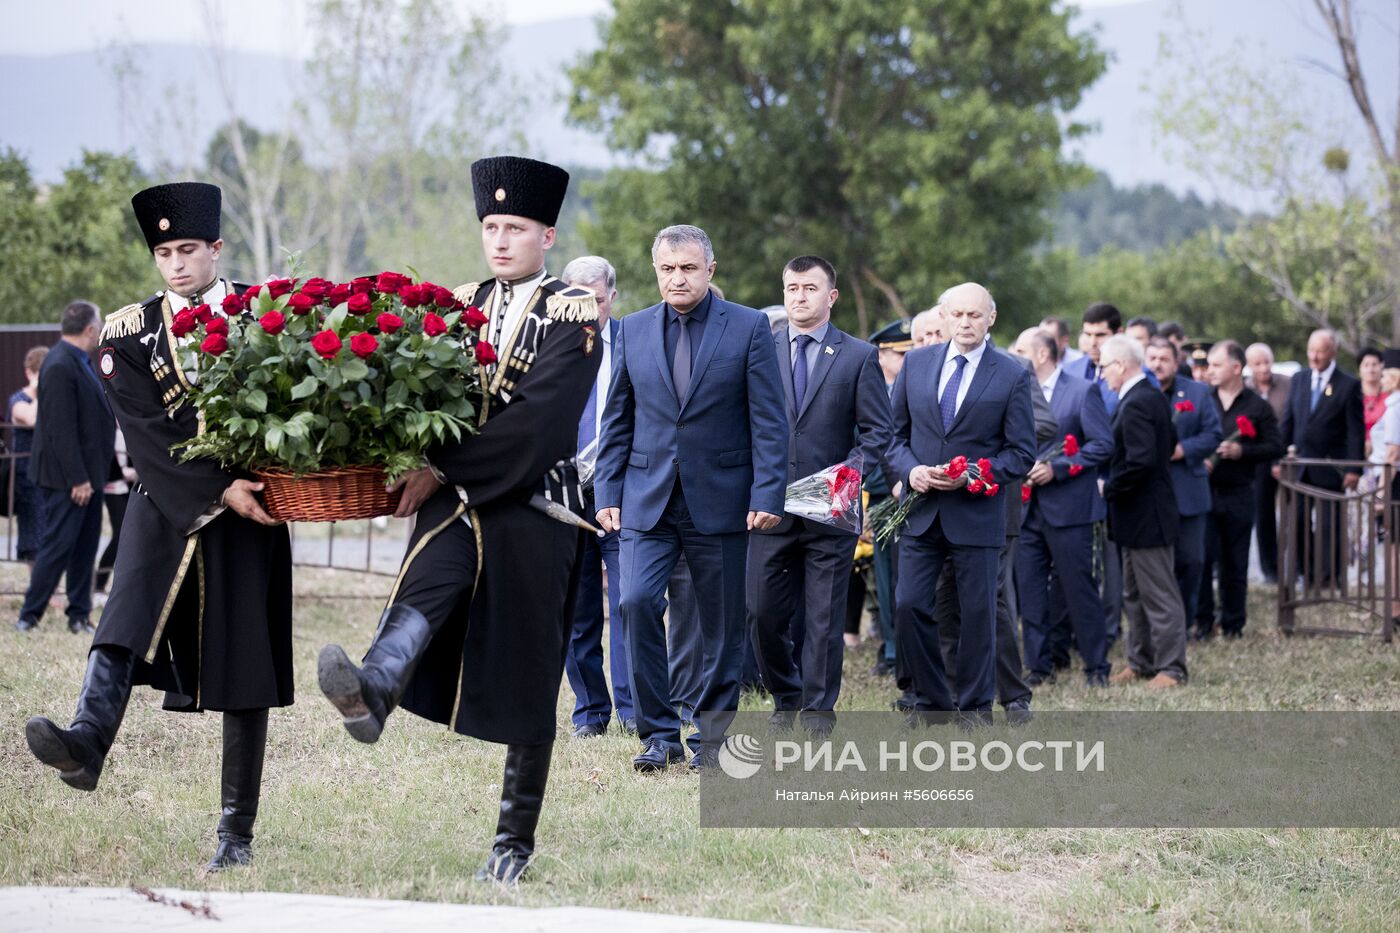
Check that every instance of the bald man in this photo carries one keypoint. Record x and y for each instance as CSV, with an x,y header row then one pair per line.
x,y
927,327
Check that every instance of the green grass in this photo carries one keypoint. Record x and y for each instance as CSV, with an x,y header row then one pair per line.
x,y
412,817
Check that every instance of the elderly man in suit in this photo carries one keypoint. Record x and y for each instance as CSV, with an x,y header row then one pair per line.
x,y
962,398
1058,534
73,443
693,457
1143,518
837,407
1198,434
1324,419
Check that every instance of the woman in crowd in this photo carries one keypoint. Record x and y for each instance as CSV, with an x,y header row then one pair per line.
x,y
23,411
1368,366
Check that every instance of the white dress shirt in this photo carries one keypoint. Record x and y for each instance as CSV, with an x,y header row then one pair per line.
x,y
1133,380
213,296
604,380
505,320
950,366
1048,386
1321,379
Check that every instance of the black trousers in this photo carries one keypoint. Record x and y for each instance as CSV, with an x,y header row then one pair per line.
x,y
1266,519
1010,685
1228,527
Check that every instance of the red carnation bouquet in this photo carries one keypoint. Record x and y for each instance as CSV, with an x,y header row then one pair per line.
x,y
1244,428
889,516
308,375
1183,406
830,496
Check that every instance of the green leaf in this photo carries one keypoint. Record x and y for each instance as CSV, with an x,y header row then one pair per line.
x,y
306,388
354,368
255,399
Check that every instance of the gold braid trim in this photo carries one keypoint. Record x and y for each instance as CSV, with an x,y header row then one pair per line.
x,y
466,294
124,322
575,305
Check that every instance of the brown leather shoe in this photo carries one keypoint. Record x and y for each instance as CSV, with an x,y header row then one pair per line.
x,y
1126,676
1163,682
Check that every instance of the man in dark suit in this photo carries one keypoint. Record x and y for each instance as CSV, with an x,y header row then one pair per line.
x,y
1142,519
583,665
1324,419
1057,537
837,407
961,398
1198,434
693,457
1273,388
74,437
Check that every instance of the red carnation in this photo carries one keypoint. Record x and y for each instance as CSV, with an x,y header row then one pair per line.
x,y
217,325
1071,445
991,490
485,353
214,344
317,288
1075,469
388,323
279,287
232,303
956,467
389,283
326,344
1185,406
273,322
203,314
1245,426
339,294
362,345
183,323
301,302
984,466
443,298
975,487
474,318
1025,494
433,325
361,285
413,296
360,303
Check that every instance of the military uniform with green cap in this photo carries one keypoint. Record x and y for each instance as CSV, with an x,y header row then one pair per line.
x,y
476,626
201,602
897,337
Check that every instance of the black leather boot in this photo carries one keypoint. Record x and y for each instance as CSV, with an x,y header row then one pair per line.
x,y
367,695
79,751
522,793
245,740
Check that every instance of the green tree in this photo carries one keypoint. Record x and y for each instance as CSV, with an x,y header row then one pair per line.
x,y
915,143
22,253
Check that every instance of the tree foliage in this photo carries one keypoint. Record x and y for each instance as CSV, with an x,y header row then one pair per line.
x,y
915,143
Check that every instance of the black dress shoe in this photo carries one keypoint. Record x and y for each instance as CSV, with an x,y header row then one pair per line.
x,y
230,854
1232,635
1094,681
1035,679
26,625
905,702
591,730
705,759
781,721
882,668
629,726
819,729
1018,712
657,756
79,625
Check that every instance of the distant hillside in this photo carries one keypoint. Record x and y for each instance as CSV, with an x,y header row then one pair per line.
x,y
1140,219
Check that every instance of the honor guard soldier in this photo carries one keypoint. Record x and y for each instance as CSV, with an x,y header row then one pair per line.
x,y
475,628
201,600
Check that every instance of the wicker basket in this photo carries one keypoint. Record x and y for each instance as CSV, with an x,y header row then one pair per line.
x,y
336,495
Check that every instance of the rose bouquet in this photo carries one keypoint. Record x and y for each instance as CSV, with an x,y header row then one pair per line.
x,y
830,496
1244,428
299,377
889,516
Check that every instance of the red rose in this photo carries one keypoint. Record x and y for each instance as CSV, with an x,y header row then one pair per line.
x,y
316,288
183,322
301,302
326,344
388,323
361,285
474,318
251,293
360,303
413,296
362,345
203,314
232,304
433,325
389,283
991,490
338,294
442,297
485,353
214,344
273,322
1245,426
1075,469
217,325
1025,494
975,487
279,287
1071,445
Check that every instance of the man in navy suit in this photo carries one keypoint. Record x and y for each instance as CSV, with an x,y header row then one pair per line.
x,y
837,406
1058,532
1324,420
693,457
956,399
1198,433
583,664
73,441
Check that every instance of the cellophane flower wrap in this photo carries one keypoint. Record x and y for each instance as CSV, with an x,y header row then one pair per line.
x,y
310,375
830,496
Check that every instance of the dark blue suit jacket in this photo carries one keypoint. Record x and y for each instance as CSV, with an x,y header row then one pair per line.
x,y
1334,430
1075,500
995,421
74,431
1198,433
726,440
845,407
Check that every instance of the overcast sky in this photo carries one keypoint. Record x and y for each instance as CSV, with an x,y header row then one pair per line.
x,y
44,27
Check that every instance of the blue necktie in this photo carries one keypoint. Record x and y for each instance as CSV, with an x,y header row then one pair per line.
x,y
799,370
1317,390
680,366
948,404
588,424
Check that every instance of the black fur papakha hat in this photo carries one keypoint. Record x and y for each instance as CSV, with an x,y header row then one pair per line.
x,y
520,186
185,210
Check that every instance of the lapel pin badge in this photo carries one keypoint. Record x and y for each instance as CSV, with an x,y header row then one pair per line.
x,y
1328,391
830,352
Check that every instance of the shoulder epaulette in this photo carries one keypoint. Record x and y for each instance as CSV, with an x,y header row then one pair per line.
x,y
124,322
466,294
573,304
